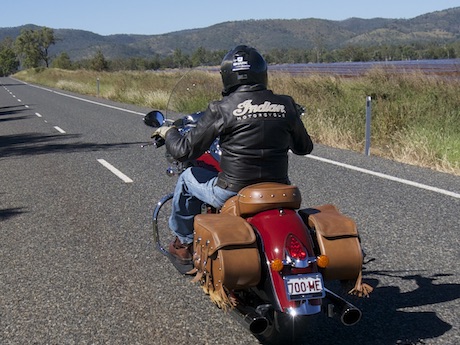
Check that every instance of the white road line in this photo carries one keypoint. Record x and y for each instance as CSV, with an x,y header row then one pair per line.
x,y
85,100
19,100
59,129
388,177
38,114
117,172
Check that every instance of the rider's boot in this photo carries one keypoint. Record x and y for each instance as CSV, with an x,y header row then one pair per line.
x,y
181,256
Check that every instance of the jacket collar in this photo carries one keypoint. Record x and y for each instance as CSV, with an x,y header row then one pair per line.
x,y
247,88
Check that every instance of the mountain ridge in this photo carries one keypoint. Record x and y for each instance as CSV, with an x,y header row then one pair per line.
x,y
264,34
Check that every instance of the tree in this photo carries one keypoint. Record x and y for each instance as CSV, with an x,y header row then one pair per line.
x,y
27,48
99,63
32,46
62,61
180,59
45,39
199,57
8,61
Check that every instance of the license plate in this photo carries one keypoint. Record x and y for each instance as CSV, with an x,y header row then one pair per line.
x,y
304,286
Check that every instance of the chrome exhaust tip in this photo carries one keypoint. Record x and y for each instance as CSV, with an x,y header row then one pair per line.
x,y
256,323
350,316
252,319
337,308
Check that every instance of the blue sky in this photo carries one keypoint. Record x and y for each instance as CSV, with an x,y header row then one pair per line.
x,y
151,17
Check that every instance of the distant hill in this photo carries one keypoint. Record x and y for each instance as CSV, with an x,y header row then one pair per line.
x,y
440,26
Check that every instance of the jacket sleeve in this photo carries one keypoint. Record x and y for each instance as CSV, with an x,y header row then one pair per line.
x,y
300,143
196,141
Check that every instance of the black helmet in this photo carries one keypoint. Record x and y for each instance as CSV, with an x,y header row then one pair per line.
x,y
242,65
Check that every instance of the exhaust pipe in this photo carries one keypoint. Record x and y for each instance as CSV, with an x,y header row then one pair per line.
x,y
336,307
255,322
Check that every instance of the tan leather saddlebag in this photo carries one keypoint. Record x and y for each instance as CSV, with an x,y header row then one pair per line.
x,y
337,237
225,255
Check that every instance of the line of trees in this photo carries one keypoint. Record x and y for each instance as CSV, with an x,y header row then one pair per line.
x,y
203,57
31,49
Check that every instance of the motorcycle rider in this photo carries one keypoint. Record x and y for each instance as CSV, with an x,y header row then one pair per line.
x,y
256,129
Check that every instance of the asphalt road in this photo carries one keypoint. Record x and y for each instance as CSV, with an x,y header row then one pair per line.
x,y
77,263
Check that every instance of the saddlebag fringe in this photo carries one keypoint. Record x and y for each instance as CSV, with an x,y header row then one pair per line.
x,y
361,289
225,256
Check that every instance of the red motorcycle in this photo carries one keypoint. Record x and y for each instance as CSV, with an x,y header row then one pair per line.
x,y
262,256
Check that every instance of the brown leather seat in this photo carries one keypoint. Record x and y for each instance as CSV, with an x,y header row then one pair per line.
x,y
261,197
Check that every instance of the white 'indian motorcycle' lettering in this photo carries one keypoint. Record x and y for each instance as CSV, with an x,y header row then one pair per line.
x,y
248,108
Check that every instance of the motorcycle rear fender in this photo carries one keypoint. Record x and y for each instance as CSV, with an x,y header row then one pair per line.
x,y
273,228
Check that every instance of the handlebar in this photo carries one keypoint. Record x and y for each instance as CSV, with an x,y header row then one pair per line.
x,y
158,141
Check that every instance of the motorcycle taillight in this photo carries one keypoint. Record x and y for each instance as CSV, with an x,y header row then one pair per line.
x,y
295,249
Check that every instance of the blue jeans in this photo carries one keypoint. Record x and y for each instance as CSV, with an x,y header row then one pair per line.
x,y
194,187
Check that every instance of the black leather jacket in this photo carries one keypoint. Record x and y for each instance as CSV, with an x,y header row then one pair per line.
x,y
256,129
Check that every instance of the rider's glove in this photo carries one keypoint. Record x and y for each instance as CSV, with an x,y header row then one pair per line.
x,y
161,131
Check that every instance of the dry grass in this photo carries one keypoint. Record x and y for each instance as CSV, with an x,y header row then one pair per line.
x,y
415,117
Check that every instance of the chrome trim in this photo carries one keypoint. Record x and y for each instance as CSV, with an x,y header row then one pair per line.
x,y
156,211
299,263
304,309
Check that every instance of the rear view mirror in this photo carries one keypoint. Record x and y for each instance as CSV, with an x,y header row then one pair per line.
x,y
154,119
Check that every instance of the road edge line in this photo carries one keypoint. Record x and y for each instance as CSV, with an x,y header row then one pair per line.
x,y
387,177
